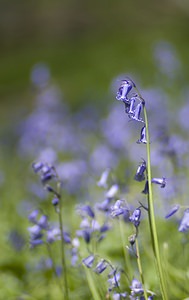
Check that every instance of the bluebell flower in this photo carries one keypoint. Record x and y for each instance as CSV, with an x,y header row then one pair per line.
x,y
53,235
135,217
43,222
74,256
103,179
132,239
55,201
143,139
34,230
112,191
173,211
124,90
35,235
136,288
88,261
131,110
47,172
118,208
35,242
86,234
160,181
101,266
184,224
146,188
113,281
139,176
104,205
33,216
67,238
105,227
88,210
37,166
119,296
127,106
137,113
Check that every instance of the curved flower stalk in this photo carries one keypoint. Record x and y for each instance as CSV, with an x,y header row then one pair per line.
x,y
47,175
134,105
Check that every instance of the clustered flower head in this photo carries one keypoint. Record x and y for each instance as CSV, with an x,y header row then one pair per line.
x,y
132,101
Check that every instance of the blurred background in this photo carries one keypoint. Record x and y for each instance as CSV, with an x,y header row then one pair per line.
x,y
85,44
59,65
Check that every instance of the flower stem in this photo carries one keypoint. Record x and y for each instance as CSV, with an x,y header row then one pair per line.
x,y
151,216
59,211
127,259
53,266
140,268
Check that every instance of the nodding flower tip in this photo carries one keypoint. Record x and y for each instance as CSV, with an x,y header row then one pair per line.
x,y
124,90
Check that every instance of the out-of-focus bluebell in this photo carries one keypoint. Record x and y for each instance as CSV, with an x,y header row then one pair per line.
x,y
40,75
173,211
113,280
136,288
103,179
101,266
184,224
112,192
135,217
119,296
88,261
119,208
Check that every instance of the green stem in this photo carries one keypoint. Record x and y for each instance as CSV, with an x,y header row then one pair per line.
x,y
127,259
59,211
151,216
53,266
140,268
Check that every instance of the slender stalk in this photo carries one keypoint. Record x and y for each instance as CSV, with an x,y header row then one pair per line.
x,y
59,211
53,266
127,260
140,268
151,216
